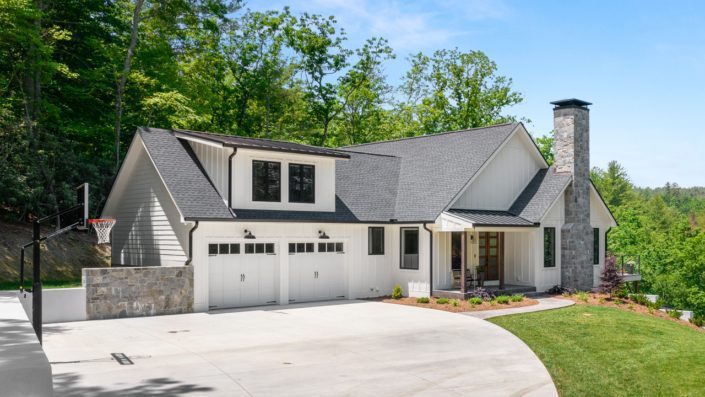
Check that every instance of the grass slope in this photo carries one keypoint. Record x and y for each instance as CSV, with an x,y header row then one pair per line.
x,y
600,351
62,257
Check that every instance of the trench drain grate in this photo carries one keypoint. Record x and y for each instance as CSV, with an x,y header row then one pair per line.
x,y
122,359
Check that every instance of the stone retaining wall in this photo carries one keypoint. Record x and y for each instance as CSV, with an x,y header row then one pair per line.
x,y
138,291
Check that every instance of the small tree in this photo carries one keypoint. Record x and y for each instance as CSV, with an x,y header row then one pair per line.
x,y
611,279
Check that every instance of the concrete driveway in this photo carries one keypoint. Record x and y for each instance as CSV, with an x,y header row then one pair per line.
x,y
353,348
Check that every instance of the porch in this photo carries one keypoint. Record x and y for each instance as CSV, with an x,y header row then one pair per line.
x,y
495,251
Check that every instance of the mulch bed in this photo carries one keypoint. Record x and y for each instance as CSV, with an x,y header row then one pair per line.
x,y
625,304
463,306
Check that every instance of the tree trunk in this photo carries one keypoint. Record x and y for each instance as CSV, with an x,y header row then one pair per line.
x,y
123,77
325,132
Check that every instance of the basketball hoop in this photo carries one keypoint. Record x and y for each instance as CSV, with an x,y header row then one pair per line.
x,y
102,229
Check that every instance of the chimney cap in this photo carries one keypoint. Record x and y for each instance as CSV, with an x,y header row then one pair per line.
x,y
572,102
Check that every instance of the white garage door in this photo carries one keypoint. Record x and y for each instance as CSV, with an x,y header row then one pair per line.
x,y
316,271
242,274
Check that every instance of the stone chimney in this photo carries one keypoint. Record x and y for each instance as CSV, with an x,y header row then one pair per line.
x,y
571,123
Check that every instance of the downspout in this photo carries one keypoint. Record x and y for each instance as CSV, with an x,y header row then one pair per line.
x,y
190,244
430,260
230,179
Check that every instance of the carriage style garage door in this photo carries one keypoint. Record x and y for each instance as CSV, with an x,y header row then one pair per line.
x,y
316,271
242,274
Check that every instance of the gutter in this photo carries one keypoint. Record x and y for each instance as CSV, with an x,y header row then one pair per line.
x,y
190,244
430,261
230,179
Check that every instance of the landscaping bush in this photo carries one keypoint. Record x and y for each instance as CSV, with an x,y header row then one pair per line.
x,y
640,299
658,304
442,301
621,293
481,293
502,299
455,302
601,300
582,296
475,301
698,319
558,290
675,313
517,298
397,293
611,280
423,299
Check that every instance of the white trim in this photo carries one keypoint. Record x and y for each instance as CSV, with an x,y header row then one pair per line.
x,y
198,140
123,166
166,187
555,200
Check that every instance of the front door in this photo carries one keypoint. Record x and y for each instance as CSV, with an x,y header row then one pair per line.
x,y
489,244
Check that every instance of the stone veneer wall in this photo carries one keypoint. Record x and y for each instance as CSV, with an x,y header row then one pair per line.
x,y
138,291
572,154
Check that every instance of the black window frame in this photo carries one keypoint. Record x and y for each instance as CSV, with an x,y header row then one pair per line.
x,y
402,247
370,241
596,246
549,237
292,184
268,181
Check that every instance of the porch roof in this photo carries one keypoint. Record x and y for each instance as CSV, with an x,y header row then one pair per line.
x,y
485,218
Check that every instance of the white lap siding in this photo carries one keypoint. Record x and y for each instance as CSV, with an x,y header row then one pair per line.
x,y
148,231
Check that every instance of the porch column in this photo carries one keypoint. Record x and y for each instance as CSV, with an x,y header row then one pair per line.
x,y
463,261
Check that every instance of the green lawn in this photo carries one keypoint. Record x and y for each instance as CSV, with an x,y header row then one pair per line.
x,y
6,285
600,351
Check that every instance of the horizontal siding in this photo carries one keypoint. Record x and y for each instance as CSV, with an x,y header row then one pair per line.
x,y
148,231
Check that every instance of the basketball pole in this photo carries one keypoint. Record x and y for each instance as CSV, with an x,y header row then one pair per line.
x,y
36,282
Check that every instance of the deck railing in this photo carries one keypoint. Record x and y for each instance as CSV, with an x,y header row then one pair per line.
x,y
628,264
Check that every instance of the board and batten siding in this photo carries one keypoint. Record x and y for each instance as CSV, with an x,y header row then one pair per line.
x,y
148,231
502,180
215,161
365,275
520,257
547,277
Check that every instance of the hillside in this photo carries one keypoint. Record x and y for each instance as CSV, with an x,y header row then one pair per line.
x,y
62,257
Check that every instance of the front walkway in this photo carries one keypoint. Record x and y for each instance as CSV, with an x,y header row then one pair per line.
x,y
544,304
353,348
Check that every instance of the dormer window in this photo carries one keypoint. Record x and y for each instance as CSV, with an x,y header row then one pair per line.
x,y
302,182
266,180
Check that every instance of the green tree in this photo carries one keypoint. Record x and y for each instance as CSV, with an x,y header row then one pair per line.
x,y
453,90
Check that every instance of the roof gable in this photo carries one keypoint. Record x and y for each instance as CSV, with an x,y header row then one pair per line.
x,y
433,169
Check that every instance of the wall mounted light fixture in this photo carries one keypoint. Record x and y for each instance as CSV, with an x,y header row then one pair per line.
x,y
322,235
249,235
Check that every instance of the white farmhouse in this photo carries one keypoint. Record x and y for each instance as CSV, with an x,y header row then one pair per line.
x,y
271,222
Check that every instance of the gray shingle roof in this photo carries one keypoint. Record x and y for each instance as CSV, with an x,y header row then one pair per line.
x,y
490,218
263,144
433,168
193,192
539,194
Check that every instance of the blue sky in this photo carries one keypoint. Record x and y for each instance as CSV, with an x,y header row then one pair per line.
x,y
641,63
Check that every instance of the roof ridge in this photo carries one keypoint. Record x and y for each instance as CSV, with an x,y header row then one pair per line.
x,y
431,135
369,154
250,137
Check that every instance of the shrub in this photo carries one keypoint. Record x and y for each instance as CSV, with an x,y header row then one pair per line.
x,y
601,300
475,301
517,298
621,293
502,299
423,299
493,302
640,299
481,293
442,301
675,314
455,302
611,280
658,304
397,293
618,302
650,309
582,296
558,290
697,319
